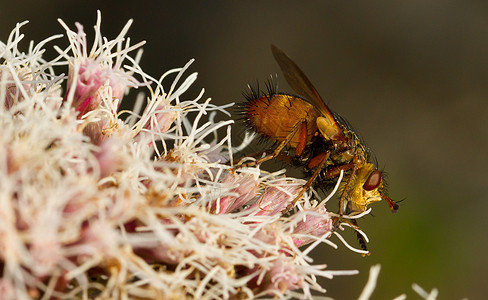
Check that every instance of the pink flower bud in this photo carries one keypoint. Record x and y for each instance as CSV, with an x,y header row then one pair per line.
x,y
313,225
276,199
13,93
283,276
91,76
245,190
162,119
110,156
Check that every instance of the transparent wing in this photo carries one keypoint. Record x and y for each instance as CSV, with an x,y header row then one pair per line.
x,y
299,82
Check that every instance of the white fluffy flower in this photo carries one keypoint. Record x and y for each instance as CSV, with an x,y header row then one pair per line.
x,y
145,206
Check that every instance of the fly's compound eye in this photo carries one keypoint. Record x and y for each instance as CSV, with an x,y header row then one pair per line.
x,y
373,181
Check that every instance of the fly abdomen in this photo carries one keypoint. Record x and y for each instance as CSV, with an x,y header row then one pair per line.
x,y
275,116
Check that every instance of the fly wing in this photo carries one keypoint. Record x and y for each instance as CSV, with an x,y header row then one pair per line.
x,y
299,82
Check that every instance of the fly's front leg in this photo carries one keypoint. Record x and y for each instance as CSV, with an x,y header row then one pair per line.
x,y
334,172
353,224
343,202
361,239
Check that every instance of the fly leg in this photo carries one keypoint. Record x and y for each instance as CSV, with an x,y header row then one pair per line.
x,y
321,158
343,202
361,239
278,149
354,224
336,221
334,172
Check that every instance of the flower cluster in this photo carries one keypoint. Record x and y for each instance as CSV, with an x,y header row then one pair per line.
x,y
99,202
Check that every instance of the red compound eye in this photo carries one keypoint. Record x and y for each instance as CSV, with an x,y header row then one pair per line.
x,y
373,181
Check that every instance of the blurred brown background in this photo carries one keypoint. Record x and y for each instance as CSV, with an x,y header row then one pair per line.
x,y
411,76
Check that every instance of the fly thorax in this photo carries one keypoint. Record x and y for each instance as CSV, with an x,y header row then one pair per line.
x,y
348,155
327,127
